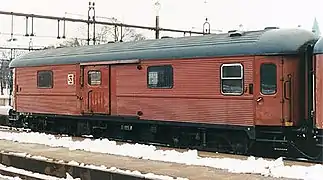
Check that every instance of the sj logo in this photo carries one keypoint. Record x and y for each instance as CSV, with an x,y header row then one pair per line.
x,y
70,79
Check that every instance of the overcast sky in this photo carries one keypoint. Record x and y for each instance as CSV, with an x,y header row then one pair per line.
x,y
177,14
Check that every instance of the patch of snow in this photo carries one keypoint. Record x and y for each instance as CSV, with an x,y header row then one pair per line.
x,y
18,154
274,168
9,178
4,110
5,96
40,158
87,136
73,163
6,93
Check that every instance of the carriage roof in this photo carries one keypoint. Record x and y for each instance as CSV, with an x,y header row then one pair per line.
x,y
261,42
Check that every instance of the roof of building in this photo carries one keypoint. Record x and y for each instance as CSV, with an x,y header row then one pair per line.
x,y
263,42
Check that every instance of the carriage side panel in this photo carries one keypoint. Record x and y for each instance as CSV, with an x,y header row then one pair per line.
x,y
48,89
195,95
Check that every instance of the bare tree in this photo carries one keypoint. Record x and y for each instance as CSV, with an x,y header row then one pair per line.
x,y
73,42
122,33
105,34
138,37
4,75
5,72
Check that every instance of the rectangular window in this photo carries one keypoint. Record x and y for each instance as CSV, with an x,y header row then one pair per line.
x,y
232,79
45,79
160,76
268,79
94,77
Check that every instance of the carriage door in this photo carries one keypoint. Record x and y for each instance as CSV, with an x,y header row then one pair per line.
x,y
96,89
268,91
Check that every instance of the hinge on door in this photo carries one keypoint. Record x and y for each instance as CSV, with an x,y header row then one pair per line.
x,y
281,78
282,61
282,101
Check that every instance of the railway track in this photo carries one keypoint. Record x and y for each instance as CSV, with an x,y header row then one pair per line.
x,y
288,160
11,172
30,168
9,128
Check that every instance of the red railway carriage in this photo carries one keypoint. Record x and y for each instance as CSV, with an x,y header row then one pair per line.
x,y
234,88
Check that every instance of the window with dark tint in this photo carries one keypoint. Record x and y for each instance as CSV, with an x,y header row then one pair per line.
x,y
232,79
94,78
45,79
268,79
160,76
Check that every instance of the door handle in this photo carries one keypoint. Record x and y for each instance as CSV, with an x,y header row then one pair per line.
x,y
260,99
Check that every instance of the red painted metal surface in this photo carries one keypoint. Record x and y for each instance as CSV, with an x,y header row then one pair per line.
x,y
61,99
283,107
195,97
96,98
293,109
269,109
319,91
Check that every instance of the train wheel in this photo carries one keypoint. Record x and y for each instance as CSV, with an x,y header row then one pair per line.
x,y
219,143
241,147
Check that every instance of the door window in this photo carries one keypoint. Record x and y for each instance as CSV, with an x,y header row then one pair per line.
x,y
268,79
94,78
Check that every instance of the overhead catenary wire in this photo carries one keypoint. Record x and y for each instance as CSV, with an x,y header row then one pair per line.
x,y
90,20
41,36
96,22
20,48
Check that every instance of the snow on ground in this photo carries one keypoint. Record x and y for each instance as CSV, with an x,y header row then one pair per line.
x,y
274,168
4,110
31,174
2,177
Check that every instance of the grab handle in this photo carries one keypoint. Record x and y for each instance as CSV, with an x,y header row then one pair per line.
x,y
88,99
289,87
285,90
